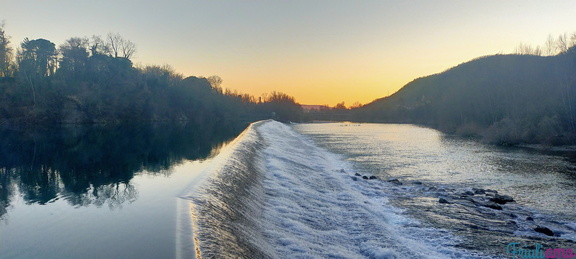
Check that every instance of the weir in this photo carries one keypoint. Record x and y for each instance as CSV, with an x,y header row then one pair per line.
x,y
226,206
272,193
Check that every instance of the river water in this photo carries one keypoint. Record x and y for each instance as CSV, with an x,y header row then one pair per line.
x,y
344,190
276,191
103,191
431,165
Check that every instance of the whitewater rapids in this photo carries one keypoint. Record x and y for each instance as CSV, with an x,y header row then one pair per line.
x,y
273,193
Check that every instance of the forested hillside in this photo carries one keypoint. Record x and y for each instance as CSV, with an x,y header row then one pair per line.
x,y
505,99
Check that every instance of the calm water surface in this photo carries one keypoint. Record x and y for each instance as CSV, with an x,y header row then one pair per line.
x,y
102,191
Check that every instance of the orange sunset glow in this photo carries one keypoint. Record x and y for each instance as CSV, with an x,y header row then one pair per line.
x,y
321,52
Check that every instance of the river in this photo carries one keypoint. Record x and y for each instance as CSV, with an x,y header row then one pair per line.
x,y
313,190
346,190
433,165
103,191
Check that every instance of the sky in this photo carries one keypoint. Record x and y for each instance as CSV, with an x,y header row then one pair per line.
x,y
319,51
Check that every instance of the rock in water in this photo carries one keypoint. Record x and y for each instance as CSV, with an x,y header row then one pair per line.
x,y
372,177
444,201
544,230
501,199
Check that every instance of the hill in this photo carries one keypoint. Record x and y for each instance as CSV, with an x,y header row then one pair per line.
x,y
505,99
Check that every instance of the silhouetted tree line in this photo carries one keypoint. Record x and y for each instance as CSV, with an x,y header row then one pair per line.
x,y
505,99
325,113
79,120
281,107
552,46
93,80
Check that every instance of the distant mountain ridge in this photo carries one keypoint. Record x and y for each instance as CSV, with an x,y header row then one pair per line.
x,y
505,99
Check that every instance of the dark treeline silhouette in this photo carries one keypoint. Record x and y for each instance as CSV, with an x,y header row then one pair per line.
x,y
282,107
94,81
93,164
505,99
78,120
325,113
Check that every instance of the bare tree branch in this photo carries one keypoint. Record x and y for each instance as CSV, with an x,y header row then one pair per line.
x,y
120,46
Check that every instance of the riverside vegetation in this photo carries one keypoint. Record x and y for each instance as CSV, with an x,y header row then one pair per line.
x,y
93,80
503,99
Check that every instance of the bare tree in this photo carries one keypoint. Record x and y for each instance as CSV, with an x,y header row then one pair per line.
x,y
562,43
128,48
550,46
113,41
120,46
216,83
99,47
526,49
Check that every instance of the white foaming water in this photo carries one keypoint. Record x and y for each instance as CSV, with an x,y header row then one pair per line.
x,y
226,206
314,208
275,194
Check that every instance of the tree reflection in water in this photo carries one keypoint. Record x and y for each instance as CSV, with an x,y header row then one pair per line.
x,y
93,165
